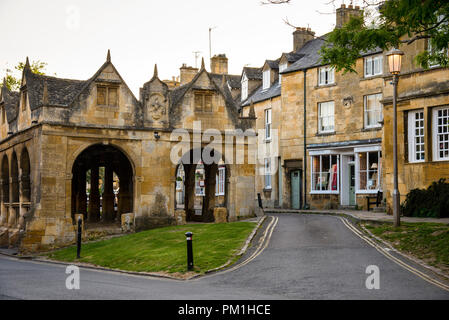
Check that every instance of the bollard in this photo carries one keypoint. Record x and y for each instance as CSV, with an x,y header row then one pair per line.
x,y
78,242
189,236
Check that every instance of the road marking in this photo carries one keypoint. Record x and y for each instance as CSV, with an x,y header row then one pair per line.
x,y
406,266
262,246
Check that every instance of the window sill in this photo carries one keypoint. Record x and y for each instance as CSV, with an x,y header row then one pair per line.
x,y
376,76
366,191
324,192
325,133
326,85
376,128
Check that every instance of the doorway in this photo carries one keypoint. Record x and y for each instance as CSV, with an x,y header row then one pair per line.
x,y
295,180
351,189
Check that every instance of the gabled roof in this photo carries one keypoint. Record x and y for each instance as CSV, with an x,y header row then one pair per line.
x,y
61,92
273,64
252,73
11,102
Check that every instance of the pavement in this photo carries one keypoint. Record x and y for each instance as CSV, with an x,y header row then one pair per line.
x,y
361,215
306,257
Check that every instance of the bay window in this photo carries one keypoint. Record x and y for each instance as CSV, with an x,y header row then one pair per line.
x,y
325,173
369,168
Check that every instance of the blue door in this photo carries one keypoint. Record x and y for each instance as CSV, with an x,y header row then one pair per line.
x,y
295,180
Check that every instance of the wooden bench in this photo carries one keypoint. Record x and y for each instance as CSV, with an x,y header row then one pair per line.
x,y
377,200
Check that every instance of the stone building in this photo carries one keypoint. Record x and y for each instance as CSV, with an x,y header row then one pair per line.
x,y
335,129
59,135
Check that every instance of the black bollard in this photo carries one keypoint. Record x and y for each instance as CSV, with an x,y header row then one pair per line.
x,y
189,236
78,242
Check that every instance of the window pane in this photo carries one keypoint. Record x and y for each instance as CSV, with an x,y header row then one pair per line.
x,y
362,171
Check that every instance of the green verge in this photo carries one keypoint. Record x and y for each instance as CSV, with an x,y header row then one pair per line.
x,y
164,249
426,241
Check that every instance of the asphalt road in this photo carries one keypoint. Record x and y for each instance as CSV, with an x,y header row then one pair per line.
x,y
308,257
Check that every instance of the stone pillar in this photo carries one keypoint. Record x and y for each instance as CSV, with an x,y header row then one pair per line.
x,y
108,194
3,208
81,196
124,196
94,196
209,205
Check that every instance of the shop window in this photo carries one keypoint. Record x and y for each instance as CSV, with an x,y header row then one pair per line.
x,y
325,173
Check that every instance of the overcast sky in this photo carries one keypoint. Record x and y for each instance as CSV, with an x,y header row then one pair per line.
x,y
73,36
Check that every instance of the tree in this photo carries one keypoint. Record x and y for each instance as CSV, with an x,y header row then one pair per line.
x,y
13,83
399,22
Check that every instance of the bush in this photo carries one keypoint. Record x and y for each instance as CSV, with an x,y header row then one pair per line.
x,y
432,202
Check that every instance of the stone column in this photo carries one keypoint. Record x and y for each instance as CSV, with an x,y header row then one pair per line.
x,y
108,194
81,196
4,210
94,196
124,196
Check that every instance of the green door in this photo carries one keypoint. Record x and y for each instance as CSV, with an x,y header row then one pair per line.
x,y
351,185
296,189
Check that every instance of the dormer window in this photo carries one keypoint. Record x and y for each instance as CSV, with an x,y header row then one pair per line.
x,y
373,66
266,79
282,67
203,102
107,96
244,94
326,75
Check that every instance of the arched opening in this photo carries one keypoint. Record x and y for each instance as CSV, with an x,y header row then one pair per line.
x,y
25,176
5,190
102,184
15,202
201,185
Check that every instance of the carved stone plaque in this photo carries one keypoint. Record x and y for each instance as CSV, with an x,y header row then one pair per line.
x,y
156,106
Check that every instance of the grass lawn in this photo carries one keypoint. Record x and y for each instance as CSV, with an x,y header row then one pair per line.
x,y
164,249
426,241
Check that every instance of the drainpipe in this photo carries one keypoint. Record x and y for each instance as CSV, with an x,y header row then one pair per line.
x,y
305,206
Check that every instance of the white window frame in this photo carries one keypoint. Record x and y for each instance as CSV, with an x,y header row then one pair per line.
x,y
220,181
367,151
282,67
369,66
268,115
313,171
436,135
415,124
326,76
267,173
329,116
244,94
266,79
375,110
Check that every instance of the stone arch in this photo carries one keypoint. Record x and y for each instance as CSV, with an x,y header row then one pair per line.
x,y
25,176
190,161
14,211
4,189
87,199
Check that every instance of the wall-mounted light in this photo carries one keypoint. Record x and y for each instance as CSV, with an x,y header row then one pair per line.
x,y
156,135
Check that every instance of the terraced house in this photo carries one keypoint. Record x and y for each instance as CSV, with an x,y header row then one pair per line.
x,y
335,130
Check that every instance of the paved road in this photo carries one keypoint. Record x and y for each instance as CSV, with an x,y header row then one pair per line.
x,y
308,257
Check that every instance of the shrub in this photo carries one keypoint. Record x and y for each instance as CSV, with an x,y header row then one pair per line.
x,y
432,202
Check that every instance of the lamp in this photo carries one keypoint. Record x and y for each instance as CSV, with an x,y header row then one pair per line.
x,y
156,135
395,60
374,166
394,64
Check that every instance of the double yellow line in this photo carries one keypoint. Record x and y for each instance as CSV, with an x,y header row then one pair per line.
x,y
393,258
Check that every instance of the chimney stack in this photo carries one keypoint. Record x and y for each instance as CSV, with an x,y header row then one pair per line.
x,y
219,64
343,14
301,36
187,73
